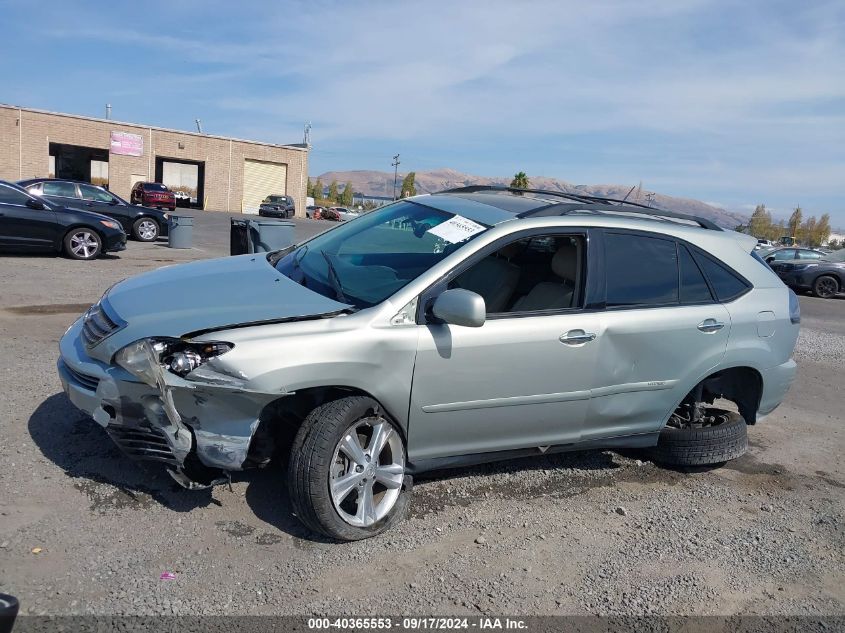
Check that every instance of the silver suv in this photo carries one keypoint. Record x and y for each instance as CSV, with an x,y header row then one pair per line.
x,y
443,330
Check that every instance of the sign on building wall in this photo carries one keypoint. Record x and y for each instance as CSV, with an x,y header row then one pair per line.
x,y
127,144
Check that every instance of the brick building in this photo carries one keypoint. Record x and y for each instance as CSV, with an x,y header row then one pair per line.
x,y
215,172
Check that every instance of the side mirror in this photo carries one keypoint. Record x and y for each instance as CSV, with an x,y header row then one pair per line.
x,y
32,203
460,307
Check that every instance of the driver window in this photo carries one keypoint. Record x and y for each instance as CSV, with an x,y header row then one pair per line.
x,y
530,275
95,193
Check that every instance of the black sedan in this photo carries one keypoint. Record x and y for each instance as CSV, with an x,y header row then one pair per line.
x,y
142,223
277,206
30,224
823,277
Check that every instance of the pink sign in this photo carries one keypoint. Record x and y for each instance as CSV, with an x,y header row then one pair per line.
x,y
127,144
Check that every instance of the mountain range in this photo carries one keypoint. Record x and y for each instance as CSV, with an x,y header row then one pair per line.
x,y
380,183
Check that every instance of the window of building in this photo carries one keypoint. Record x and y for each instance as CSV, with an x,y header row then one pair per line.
x,y
641,271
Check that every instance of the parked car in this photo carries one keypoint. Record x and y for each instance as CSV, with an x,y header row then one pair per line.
x,y
790,253
313,212
31,224
346,214
183,199
823,277
142,223
765,244
277,206
153,194
471,325
329,214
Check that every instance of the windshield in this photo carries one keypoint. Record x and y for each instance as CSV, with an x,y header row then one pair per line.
x,y
836,256
364,262
154,186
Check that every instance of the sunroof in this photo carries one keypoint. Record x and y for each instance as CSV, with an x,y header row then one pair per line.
x,y
507,202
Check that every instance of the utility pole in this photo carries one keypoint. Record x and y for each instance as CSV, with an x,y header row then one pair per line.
x,y
395,165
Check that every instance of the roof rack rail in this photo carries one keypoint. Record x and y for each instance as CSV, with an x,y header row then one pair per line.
x,y
658,214
481,188
560,194
613,204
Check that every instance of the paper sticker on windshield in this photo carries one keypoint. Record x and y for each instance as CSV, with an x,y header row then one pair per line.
x,y
456,230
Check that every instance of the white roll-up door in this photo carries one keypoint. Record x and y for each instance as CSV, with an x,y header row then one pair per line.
x,y
261,179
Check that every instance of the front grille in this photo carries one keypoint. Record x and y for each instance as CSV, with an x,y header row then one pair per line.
x,y
145,443
97,325
88,382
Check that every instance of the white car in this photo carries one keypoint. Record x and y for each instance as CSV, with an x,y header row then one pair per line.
x,y
346,214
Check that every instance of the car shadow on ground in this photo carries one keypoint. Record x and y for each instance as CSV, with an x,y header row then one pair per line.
x,y
83,450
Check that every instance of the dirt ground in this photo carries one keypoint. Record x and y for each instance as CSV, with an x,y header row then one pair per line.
x,y
84,530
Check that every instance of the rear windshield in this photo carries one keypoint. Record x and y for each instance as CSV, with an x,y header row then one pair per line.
x,y
154,186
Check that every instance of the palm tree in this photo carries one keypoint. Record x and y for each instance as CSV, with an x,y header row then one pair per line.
x,y
520,181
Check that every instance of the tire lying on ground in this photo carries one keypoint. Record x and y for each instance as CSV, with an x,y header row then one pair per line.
x,y
721,441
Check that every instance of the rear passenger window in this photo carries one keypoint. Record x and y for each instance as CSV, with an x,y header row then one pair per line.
x,y
61,189
693,285
725,282
641,270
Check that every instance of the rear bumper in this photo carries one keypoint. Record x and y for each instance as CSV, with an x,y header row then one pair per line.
x,y
776,383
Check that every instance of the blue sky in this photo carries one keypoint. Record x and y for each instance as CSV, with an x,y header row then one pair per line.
x,y
733,103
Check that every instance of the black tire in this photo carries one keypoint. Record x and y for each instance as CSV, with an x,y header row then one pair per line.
x,y
310,461
146,230
826,287
73,243
715,444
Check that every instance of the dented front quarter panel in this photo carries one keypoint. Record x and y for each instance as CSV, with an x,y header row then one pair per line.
x,y
220,403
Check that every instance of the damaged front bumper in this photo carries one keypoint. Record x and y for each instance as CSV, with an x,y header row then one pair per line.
x,y
198,427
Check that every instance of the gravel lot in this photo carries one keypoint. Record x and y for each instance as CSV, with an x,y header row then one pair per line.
x,y
578,533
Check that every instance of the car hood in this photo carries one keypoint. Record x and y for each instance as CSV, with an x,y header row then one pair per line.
x,y
208,295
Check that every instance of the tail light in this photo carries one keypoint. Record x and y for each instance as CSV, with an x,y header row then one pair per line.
x,y
794,308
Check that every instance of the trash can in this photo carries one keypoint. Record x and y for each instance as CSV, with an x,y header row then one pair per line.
x,y
239,242
270,235
180,231
259,236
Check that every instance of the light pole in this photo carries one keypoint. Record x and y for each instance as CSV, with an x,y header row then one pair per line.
x,y
395,165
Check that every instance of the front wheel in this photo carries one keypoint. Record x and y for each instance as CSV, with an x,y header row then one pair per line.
x,y
145,230
346,475
82,244
825,287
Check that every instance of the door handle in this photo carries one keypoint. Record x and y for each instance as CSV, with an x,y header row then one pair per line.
x,y
576,337
709,326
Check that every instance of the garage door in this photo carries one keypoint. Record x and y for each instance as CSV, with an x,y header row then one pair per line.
x,y
261,179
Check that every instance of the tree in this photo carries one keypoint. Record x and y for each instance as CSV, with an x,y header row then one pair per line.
x,y
795,221
834,245
333,191
346,196
408,188
822,230
760,224
318,189
808,231
520,181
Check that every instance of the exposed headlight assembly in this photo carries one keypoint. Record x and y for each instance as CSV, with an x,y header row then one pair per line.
x,y
147,358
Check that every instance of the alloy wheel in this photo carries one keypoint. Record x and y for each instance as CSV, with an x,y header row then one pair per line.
x,y
84,244
147,230
825,287
367,472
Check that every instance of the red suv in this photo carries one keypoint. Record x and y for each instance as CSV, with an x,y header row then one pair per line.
x,y
153,194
